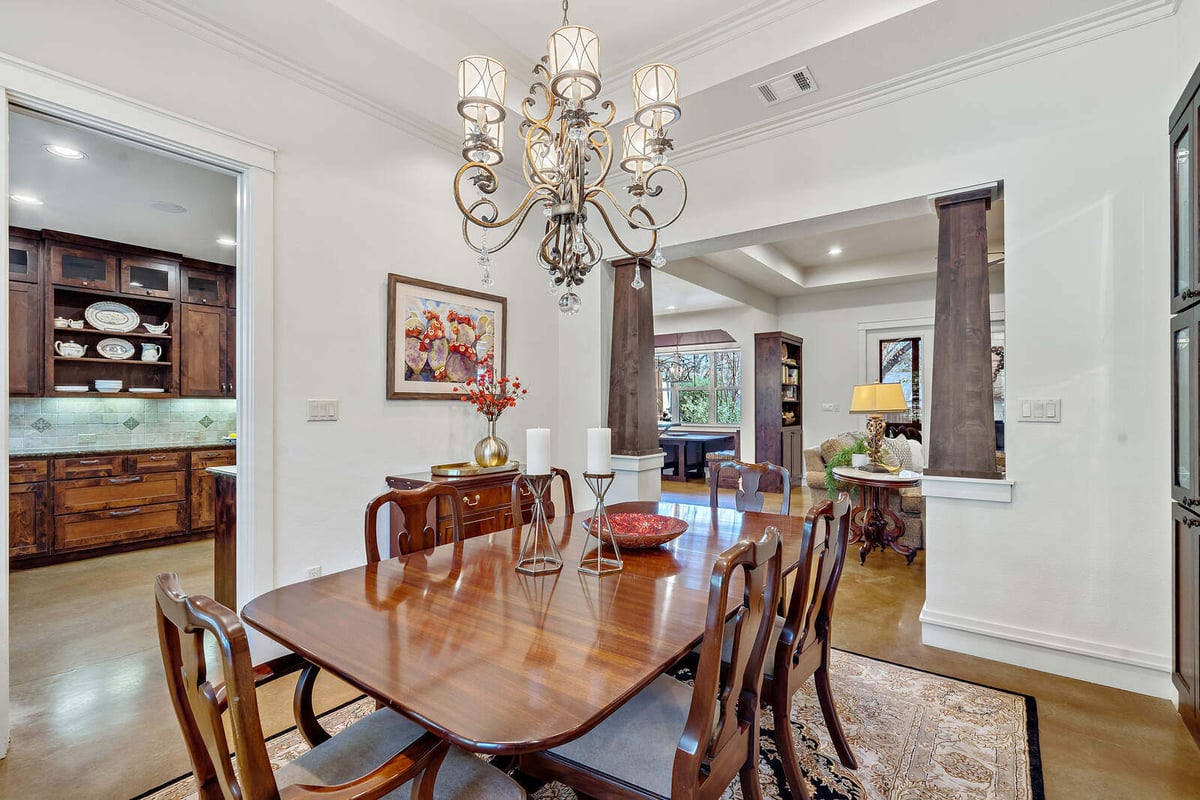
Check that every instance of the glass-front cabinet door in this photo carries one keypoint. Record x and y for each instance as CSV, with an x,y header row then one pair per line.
x,y
83,267
149,277
1185,283
1185,424
24,260
203,287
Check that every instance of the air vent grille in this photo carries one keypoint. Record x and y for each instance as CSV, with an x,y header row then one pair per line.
x,y
787,86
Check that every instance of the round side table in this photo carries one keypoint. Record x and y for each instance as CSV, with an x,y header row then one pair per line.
x,y
872,522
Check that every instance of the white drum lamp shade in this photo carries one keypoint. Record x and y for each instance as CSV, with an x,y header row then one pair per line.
x,y
574,55
655,96
481,83
635,149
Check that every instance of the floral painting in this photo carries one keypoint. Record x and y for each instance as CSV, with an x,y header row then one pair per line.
x,y
440,336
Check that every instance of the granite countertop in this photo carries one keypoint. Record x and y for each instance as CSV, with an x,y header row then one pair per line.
x,y
228,472
101,451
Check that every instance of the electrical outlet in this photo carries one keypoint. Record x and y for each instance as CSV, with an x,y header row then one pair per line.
x,y
87,438
829,407
193,436
313,572
322,410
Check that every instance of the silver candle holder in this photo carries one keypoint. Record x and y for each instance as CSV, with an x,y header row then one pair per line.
x,y
598,563
539,551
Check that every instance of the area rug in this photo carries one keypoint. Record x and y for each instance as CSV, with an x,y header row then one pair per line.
x,y
916,735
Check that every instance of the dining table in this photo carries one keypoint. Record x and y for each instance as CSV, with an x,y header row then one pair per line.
x,y
501,662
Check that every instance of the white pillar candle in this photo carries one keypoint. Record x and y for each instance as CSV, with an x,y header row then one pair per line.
x,y
537,451
599,451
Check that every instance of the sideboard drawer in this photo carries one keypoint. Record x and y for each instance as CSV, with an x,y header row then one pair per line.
x,y
95,494
101,528
220,457
486,499
88,467
27,470
158,462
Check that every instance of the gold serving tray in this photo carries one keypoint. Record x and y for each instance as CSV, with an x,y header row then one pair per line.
x,y
464,468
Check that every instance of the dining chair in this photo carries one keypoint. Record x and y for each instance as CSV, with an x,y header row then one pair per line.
x,y
749,497
384,755
415,532
803,635
674,741
519,490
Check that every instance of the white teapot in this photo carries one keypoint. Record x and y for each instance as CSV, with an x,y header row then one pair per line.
x,y
70,349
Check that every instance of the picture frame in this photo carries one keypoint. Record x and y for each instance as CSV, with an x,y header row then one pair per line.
x,y
438,336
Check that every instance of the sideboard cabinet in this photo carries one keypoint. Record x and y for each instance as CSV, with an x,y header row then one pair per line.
x,y
1184,136
486,502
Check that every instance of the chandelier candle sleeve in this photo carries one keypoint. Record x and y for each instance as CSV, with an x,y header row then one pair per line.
x,y
537,451
599,451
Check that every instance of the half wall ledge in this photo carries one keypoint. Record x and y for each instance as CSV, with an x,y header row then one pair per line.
x,y
993,490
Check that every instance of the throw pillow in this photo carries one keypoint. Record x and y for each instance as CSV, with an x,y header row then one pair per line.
x,y
900,451
918,455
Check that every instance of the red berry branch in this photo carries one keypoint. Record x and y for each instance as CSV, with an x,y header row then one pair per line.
x,y
491,395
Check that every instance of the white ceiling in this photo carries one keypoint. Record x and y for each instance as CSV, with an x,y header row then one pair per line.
x,y
674,295
108,194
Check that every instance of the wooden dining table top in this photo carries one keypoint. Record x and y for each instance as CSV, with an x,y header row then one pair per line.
x,y
497,661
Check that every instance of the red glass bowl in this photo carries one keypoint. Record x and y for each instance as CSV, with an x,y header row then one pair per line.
x,y
640,531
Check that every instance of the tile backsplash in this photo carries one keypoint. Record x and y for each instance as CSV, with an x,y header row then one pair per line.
x,y
38,424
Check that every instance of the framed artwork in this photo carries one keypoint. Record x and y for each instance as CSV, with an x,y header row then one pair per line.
x,y
438,336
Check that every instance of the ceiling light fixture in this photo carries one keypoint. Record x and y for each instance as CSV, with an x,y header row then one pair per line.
x,y
566,161
835,251
225,240
167,207
671,308
62,151
26,199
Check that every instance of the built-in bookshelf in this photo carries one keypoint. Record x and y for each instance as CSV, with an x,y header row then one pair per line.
x,y
778,400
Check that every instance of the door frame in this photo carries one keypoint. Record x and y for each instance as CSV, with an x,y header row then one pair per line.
x,y
30,86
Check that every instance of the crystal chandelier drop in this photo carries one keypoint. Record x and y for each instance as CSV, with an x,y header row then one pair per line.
x,y
565,161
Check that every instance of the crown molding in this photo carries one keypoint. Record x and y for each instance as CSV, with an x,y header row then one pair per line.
x,y
232,42
1097,25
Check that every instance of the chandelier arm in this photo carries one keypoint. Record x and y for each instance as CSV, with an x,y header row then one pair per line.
x,y
603,149
617,237
534,175
611,108
487,186
529,102
523,212
652,226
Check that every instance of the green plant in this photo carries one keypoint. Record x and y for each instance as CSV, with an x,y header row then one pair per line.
x,y
842,459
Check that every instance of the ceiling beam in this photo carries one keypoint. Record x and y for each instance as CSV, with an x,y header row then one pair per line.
x,y
775,261
703,274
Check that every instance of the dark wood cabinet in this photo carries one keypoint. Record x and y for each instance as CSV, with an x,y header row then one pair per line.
x,y
24,256
83,267
25,321
486,501
28,507
1185,401
203,486
202,348
779,403
202,285
150,277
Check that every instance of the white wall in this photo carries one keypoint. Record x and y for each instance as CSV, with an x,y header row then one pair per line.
x,y
1074,574
741,323
355,199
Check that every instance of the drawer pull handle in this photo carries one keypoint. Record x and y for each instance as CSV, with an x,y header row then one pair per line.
x,y
1191,522
16,467
128,513
526,491
89,461
134,479
158,458
469,503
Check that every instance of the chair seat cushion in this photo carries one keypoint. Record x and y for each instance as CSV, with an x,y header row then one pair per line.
x,y
366,744
637,743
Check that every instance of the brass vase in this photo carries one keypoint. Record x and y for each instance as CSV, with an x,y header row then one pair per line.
x,y
491,450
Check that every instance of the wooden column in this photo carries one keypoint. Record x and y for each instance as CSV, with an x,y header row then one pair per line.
x,y
225,539
632,410
962,423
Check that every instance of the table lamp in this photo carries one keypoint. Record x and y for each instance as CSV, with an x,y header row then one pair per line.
x,y
877,399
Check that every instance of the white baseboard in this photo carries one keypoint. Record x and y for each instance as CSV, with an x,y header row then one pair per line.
x,y
1131,670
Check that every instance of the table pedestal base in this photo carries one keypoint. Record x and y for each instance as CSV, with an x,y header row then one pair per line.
x,y
875,525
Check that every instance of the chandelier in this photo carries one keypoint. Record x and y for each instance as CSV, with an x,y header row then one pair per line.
x,y
565,161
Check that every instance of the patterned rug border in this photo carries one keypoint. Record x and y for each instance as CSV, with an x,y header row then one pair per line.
x,y
1036,781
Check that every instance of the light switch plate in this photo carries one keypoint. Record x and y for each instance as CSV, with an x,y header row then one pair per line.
x,y
322,410
829,406
1039,410
87,438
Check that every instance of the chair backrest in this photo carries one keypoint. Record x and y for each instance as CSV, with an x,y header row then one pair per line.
x,y
749,497
414,532
199,706
810,607
721,732
518,490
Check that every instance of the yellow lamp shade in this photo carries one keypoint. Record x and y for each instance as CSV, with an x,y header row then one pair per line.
x,y
878,398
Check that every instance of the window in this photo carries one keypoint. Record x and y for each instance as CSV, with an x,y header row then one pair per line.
x,y
700,387
900,362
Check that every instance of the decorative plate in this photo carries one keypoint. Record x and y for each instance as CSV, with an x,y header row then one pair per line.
x,y
111,316
145,390
641,531
70,388
114,348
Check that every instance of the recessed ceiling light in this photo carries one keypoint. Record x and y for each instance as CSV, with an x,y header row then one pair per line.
x,y
225,240
62,151
671,308
27,199
167,208
835,251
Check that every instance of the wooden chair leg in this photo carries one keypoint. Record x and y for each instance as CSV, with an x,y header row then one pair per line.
x,y
785,743
832,723
748,777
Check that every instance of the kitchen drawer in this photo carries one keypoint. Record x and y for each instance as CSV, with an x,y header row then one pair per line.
x,y
96,494
158,462
27,470
103,528
218,457
88,467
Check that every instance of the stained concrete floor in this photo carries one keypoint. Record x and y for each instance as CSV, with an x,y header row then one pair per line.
x,y
91,717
